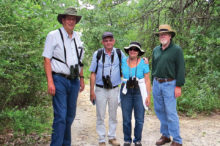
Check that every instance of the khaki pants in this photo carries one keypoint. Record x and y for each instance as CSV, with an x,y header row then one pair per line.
x,y
104,97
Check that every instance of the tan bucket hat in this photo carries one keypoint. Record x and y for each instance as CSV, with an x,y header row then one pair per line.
x,y
136,45
165,28
69,11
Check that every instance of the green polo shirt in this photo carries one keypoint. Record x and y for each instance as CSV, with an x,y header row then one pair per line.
x,y
169,63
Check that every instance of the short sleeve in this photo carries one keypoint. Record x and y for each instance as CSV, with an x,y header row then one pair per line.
x,y
94,62
146,68
123,55
49,46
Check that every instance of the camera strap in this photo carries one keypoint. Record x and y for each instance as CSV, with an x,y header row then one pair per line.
x,y
78,56
103,62
130,74
61,35
99,54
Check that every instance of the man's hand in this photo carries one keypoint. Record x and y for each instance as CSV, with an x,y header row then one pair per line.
x,y
50,84
92,96
51,88
146,60
177,91
82,84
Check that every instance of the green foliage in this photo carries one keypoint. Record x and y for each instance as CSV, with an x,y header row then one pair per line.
x,y
196,23
27,120
24,25
21,69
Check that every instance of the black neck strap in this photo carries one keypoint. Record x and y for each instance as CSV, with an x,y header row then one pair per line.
x,y
61,34
103,62
77,52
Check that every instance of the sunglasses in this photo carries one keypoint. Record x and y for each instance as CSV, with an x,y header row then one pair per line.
x,y
134,49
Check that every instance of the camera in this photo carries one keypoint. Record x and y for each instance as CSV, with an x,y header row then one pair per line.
x,y
74,71
107,82
132,83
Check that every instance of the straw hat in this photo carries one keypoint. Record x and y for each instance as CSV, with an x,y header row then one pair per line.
x,y
165,28
69,11
136,45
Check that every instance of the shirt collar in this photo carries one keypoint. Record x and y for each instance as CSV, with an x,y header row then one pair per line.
x,y
111,51
66,34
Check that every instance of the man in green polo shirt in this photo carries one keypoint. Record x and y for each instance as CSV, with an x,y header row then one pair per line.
x,y
168,75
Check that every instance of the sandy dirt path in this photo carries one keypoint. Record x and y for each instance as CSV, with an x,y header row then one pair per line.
x,y
201,131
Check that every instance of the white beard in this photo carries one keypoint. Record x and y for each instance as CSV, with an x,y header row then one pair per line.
x,y
163,41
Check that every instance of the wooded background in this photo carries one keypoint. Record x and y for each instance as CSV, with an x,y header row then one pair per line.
x,y
24,24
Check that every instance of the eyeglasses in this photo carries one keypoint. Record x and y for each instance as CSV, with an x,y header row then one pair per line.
x,y
134,49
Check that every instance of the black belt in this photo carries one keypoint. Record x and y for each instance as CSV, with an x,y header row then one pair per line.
x,y
63,75
161,80
101,86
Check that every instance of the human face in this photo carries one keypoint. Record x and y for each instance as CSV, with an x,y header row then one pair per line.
x,y
108,42
69,22
133,52
165,38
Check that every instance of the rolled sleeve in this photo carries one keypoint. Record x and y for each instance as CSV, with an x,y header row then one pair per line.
x,y
93,63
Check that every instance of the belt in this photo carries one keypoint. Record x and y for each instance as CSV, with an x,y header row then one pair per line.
x,y
161,80
63,75
101,86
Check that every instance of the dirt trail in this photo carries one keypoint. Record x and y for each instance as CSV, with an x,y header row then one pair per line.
x,y
202,131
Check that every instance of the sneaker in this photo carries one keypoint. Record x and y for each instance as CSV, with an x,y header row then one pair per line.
x,y
138,144
127,144
113,142
102,144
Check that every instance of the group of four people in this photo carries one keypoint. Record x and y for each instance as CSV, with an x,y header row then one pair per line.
x,y
110,68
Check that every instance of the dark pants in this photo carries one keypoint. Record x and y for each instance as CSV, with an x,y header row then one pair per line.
x,y
64,105
132,100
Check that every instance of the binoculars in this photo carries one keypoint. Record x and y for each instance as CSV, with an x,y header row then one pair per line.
x,y
74,71
107,82
132,83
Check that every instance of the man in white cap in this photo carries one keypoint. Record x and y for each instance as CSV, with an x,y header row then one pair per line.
x,y
168,75
63,54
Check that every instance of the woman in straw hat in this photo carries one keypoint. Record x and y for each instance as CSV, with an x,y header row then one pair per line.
x,y
135,92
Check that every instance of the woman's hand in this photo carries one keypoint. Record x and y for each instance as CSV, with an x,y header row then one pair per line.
x,y
147,101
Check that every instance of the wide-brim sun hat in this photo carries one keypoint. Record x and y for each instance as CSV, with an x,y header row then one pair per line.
x,y
69,11
165,28
136,45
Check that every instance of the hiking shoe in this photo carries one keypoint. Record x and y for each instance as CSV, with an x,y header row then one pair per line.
x,y
113,142
102,144
163,140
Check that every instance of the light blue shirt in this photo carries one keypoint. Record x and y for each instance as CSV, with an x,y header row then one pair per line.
x,y
54,47
108,65
142,69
